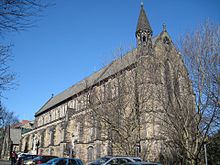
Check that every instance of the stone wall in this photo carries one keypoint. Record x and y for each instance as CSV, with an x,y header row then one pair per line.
x,y
67,130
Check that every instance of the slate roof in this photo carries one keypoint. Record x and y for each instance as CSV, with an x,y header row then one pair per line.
x,y
143,23
107,71
111,69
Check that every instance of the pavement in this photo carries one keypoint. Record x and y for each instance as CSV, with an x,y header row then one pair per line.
x,y
5,162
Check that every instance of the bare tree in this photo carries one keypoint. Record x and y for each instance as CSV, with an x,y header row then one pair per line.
x,y
201,52
6,77
191,117
6,118
15,16
19,15
121,107
113,111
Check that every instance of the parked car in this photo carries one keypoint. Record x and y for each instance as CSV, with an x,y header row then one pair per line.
x,y
23,158
142,163
109,160
64,161
100,160
43,159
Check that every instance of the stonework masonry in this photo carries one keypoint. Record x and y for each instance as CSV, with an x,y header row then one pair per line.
x,y
63,124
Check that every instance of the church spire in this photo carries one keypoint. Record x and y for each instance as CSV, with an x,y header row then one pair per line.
x,y
144,32
143,23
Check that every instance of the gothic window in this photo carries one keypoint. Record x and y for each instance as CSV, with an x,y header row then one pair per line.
x,y
144,38
32,142
77,131
58,113
84,101
92,133
46,118
49,117
90,154
51,137
109,149
99,93
87,98
122,83
92,96
115,88
108,91
53,115
62,135
79,104
76,105
43,120
98,129
26,147
98,151
65,109
42,139
176,83
51,151
102,92
168,79
166,40
62,110
81,128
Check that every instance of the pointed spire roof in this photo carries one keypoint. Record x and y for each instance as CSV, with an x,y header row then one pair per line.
x,y
143,23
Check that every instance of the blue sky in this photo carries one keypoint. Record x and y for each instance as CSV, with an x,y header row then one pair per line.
x,y
75,38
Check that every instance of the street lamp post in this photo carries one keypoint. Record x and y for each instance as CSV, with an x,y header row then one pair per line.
x,y
206,161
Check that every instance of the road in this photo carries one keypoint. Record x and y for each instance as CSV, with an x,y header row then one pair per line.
x,y
5,162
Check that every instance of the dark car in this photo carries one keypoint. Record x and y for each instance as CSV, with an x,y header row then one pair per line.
x,y
100,160
64,161
25,157
106,160
43,159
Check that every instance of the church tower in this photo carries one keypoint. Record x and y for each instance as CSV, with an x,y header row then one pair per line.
x,y
144,33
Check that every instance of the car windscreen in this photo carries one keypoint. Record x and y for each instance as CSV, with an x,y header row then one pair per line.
x,y
101,160
28,157
52,160
37,158
137,159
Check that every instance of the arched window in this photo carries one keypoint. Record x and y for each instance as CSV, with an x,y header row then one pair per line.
x,y
166,40
144,38
90,153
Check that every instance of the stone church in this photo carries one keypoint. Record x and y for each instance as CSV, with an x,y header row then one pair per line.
x,y
118,110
